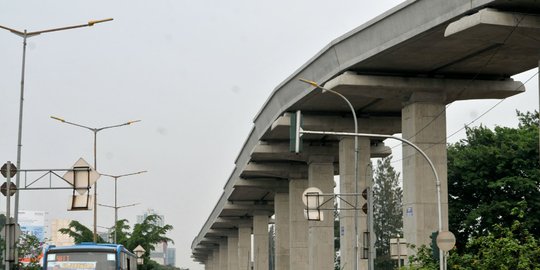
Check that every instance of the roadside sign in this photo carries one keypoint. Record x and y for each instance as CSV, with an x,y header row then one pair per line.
x,y
82,176
12,188
398,248
294,132
446,240
310,197
12,172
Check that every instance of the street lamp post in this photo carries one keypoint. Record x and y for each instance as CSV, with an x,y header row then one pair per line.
x,y
356,180
116,207
95,131
25,35
116,214
442,262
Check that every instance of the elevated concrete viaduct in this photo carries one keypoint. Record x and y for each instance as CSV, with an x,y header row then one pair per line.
x,y
399,71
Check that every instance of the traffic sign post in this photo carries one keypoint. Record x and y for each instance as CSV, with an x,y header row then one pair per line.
x,y
12,189
446,240
81,176
12,169
9,170
311,199
295,132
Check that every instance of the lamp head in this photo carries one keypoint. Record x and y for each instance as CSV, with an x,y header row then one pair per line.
x,y
58,118
314,84
131,122
91,23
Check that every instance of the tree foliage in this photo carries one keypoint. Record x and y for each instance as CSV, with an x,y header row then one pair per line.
x,y
489,173
146,234
493,180
122,231
29,247
503,248
80,233
387,210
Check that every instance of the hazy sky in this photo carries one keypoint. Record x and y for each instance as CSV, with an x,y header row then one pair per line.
x,y
194,72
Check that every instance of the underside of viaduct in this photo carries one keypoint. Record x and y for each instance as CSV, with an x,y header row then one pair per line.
x,y
399,71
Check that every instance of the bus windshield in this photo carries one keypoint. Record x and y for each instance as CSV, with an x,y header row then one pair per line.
x,y
81,260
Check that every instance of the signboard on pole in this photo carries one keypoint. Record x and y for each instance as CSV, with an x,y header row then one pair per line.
x,y
33,223
446,240
82,176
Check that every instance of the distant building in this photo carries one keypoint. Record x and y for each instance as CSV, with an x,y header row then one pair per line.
x,y
58,238
171,256
159,254
106,236
141,218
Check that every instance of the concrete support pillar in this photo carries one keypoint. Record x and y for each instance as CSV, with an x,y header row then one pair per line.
x,y
424,124
216,259
244,246
299,259
232,249
209,265
321,233
282,246
348,185
223,255
260,241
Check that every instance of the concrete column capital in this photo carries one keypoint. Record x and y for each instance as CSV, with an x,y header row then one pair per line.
x,y
246,224
263,213
316,159
427,97
297,176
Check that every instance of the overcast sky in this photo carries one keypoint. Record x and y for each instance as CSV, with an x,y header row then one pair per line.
x,y
194,72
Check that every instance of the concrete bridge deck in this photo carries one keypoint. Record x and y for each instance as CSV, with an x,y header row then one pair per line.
x,y
399,71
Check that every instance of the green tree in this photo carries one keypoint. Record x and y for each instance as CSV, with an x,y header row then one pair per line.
x,y
422,260
271,247
387,210
122,232
337,255
80,233
502,248
29,247
148,234
489,173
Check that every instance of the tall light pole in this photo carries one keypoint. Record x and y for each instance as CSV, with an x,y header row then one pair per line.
x,y
95,131
442,260
356,180
25,35
116,207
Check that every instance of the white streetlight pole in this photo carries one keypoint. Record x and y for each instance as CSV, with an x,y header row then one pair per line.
x,y
95,131
442,263
356,180
25,35
116,214
116,207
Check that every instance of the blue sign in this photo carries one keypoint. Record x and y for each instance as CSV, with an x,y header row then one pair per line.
x,y
409,212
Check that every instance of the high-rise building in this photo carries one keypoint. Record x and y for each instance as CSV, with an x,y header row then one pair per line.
x,y
171,256
58,238
159,254
160,222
